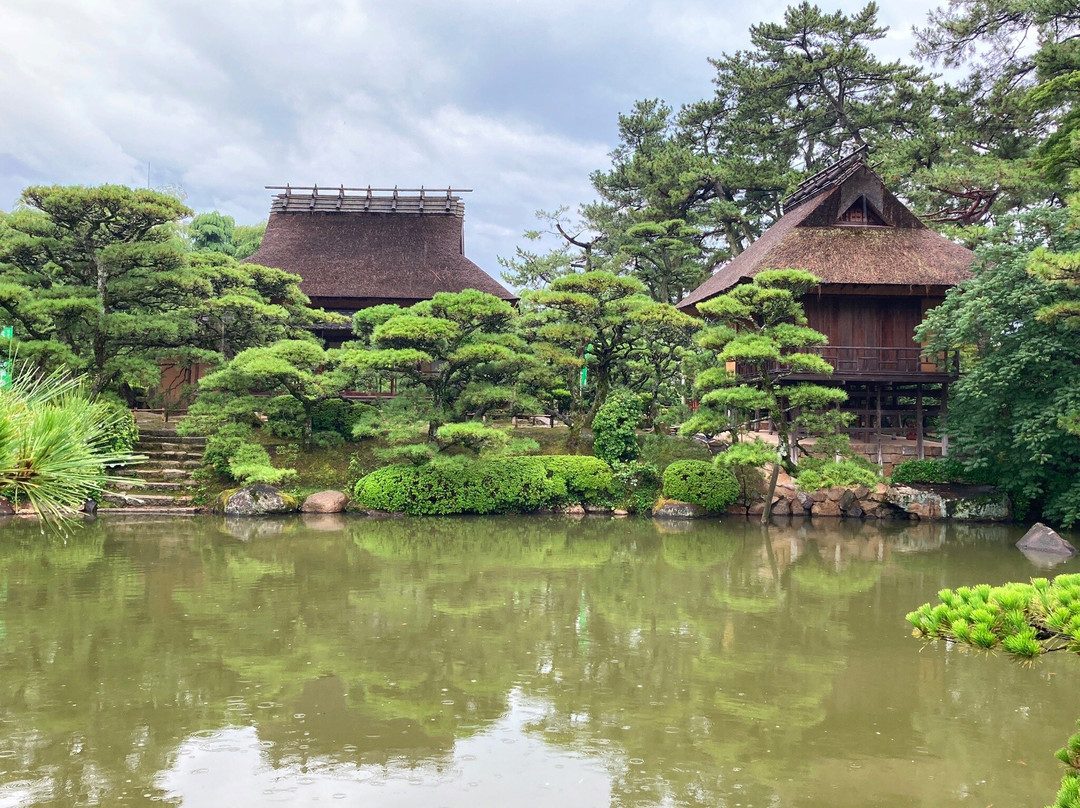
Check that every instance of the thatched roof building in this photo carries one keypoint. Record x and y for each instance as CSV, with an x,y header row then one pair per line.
x,y
881,270
845,227
358,247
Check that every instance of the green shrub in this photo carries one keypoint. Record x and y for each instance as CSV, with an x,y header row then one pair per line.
x,y
940,470
615,427
250,463
587,479
223,444
327,439
662,450
817,473
700,483
284,417
498,485
337,415
746,460
120,432
636,486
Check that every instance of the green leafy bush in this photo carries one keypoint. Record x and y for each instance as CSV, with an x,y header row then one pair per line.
x,y
700,483
615,427
223,444
636,485
120,431
661,450
587,479
939,470
250,463
485,486
817,473
746,461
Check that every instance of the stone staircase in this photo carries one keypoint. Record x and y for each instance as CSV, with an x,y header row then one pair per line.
x,y
165,477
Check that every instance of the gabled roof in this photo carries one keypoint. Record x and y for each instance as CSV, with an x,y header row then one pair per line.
x,y
360,245
811,236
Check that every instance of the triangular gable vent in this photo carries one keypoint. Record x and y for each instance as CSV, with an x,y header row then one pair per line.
x,y
861,214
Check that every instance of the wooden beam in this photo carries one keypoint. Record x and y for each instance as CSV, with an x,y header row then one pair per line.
x,y
943,420
919,423
878,400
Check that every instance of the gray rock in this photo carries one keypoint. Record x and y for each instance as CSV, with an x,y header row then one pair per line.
x,y
847,500
1044,540
325,502
805,500
679,510
259,499
6,508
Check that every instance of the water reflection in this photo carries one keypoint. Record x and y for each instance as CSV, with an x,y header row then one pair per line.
x,y
462,661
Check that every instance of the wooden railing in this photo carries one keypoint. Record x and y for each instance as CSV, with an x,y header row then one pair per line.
x,y
869,360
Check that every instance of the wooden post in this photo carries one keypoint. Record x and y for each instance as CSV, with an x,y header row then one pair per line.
x,y
943,419
919,423
877,399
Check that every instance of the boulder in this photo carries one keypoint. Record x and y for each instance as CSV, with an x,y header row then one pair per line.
x,y
854,512
575,510
259,499
602,509
620,512
325,502
1045,540
756,509
89,507
968,503
847,500
804,500
782,508
860,491
673,509
827,507
836,493
6,508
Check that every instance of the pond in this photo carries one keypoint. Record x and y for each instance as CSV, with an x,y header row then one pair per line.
x,y
512,661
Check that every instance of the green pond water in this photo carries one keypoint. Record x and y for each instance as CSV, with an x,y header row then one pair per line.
x,y
512,662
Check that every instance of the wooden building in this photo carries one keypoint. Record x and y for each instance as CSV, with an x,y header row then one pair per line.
x,y
881,270
359,247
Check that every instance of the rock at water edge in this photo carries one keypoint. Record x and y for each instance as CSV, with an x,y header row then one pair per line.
x,y
325,502
1042,539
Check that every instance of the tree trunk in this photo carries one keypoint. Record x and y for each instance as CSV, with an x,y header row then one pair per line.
x,y
767,513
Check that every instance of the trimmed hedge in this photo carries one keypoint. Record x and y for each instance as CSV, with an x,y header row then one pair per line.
x,y
700,483
940,470
587,478
485,486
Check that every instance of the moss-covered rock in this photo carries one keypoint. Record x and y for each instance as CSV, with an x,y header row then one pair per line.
x,y
259,499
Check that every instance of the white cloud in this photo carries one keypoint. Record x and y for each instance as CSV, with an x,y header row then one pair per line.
x,y
515,98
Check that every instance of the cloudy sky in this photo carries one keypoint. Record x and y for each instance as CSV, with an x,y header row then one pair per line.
x,y
515,99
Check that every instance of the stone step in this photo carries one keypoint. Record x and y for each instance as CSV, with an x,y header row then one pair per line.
x,y
130,500
144,447
149,485
160,473
167,434
171,454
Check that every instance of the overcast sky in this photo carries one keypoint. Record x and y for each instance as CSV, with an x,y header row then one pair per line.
x,y
515,99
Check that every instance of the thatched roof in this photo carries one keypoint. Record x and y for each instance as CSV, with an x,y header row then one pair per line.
x,y
813,235
353,250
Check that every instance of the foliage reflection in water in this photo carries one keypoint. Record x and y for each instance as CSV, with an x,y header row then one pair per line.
x,y
477,661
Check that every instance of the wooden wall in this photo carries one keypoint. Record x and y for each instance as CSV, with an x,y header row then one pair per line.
x,y
849,320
